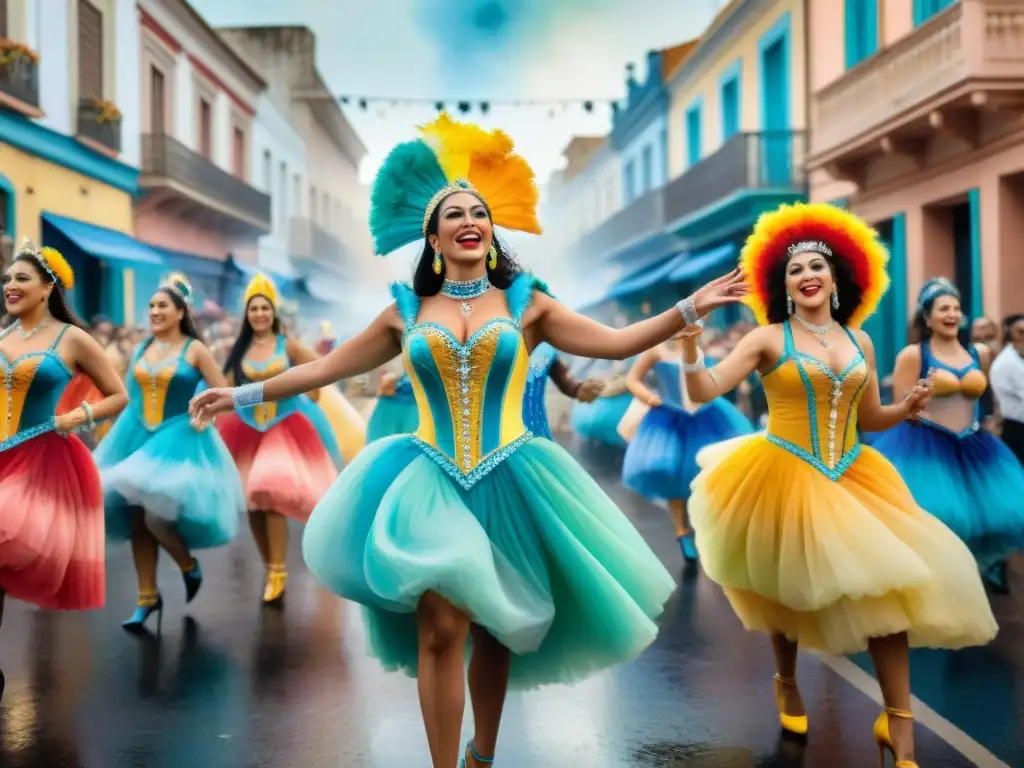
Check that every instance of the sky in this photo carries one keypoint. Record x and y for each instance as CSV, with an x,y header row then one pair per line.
x,y
476,50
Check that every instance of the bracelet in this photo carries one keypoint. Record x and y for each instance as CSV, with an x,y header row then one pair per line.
x,y
688,309
696,365
90,421
247,396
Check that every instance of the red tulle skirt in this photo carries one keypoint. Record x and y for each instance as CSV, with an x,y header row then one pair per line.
x,y
51,524
286,469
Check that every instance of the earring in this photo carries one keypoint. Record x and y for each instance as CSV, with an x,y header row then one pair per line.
x,y
789,304
835,299
492,262
438,263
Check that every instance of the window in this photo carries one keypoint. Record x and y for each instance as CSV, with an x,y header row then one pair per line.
x,y
925,9
205,129
861,30
730,108
90,51
266,171
693,138
157,103
3,18
647,170
238,155
629,182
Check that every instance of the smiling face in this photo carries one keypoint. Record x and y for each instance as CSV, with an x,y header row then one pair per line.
x,y
260,314
463,229
945,318
164,316
809,280
24,287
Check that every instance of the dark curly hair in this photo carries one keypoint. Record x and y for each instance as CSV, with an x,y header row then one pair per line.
x,y
426,282
850,293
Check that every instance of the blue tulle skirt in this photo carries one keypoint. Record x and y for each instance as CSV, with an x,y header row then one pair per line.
x,y
600,419
396,415
973,484
535,553
661,459
176,473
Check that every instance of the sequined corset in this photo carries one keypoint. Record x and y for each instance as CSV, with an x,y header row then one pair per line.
x,y
535,412
955,407
160,392
812,411
33,385
264,416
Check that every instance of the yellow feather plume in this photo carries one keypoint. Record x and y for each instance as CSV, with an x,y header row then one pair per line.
x,y
262,285
59,266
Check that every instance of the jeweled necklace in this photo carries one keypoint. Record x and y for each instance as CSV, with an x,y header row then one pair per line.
x,y
818,330
464,290
29,334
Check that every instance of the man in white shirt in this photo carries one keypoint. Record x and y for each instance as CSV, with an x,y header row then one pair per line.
x,y
1007,380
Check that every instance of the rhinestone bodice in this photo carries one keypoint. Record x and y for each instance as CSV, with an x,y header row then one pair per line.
x,y
33,384
812,410
160,391
265,415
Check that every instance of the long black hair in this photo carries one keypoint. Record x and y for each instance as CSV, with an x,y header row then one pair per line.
x,y
920,331
233,365
57,303
850,293
426,282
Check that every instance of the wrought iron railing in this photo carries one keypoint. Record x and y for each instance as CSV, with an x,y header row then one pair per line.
x,y
19,79
94,124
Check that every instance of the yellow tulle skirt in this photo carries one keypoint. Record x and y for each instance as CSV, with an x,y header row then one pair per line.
x,y
346,422
830,564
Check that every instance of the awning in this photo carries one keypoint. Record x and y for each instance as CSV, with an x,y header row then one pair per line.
x,y
647,277
192,265
102,243
697,264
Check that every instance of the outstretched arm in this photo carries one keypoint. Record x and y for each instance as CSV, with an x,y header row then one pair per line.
x,y
704,384
636,376
579,335
567,384
871,414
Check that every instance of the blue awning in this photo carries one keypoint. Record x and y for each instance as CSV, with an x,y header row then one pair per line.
x,y
192,265
102,243
648,277
696,264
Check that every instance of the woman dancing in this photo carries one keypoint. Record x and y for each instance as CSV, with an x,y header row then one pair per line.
x,y
395,412
51,502
544,365
956,470
661,459
816,539
473,527
166,483
599,421
286,451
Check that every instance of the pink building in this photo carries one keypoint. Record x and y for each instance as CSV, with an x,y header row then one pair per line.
x,y
916,125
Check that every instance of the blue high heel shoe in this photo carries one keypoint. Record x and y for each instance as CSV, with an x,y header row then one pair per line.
x,y
137,621
193,580
688,546
472,750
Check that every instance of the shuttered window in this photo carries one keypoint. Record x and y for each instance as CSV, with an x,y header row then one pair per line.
x,y
205,129
3,18
157,96
238,154
90,51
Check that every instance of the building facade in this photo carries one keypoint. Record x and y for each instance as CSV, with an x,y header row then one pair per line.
x,y
199,206
937,163
69,145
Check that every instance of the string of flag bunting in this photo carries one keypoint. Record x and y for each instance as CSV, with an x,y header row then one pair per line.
x,y
483,106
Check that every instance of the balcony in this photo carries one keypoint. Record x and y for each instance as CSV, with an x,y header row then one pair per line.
x,y
749,174
19,86
642,218
176,177
938,79
99,127
307,239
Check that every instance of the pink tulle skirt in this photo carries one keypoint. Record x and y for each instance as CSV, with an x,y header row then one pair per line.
x,y
51,524
286,469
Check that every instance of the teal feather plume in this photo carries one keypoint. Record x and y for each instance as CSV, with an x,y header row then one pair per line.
x,y
408,178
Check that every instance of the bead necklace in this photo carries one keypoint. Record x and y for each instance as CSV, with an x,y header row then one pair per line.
x,y
464,290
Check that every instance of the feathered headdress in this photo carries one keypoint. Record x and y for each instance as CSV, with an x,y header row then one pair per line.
x,y
177,282
821,228
51,260
451,157
262,285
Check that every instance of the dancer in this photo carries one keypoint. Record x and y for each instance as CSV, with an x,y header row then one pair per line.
x,y
816,539
544,365
473,526
286,452
166,483
82,389
956,470
599,421
395,412
661,458
51,502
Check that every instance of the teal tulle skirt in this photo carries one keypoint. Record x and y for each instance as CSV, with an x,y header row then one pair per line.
x,y
395,415
180,475
535,553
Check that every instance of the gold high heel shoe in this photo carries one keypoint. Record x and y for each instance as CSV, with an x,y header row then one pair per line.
x,y
277,581
884,741
794,724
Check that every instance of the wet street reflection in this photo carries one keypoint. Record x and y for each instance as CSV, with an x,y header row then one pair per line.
x,y
232,684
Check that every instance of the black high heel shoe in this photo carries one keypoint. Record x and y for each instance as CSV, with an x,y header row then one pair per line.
x,y
149,603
